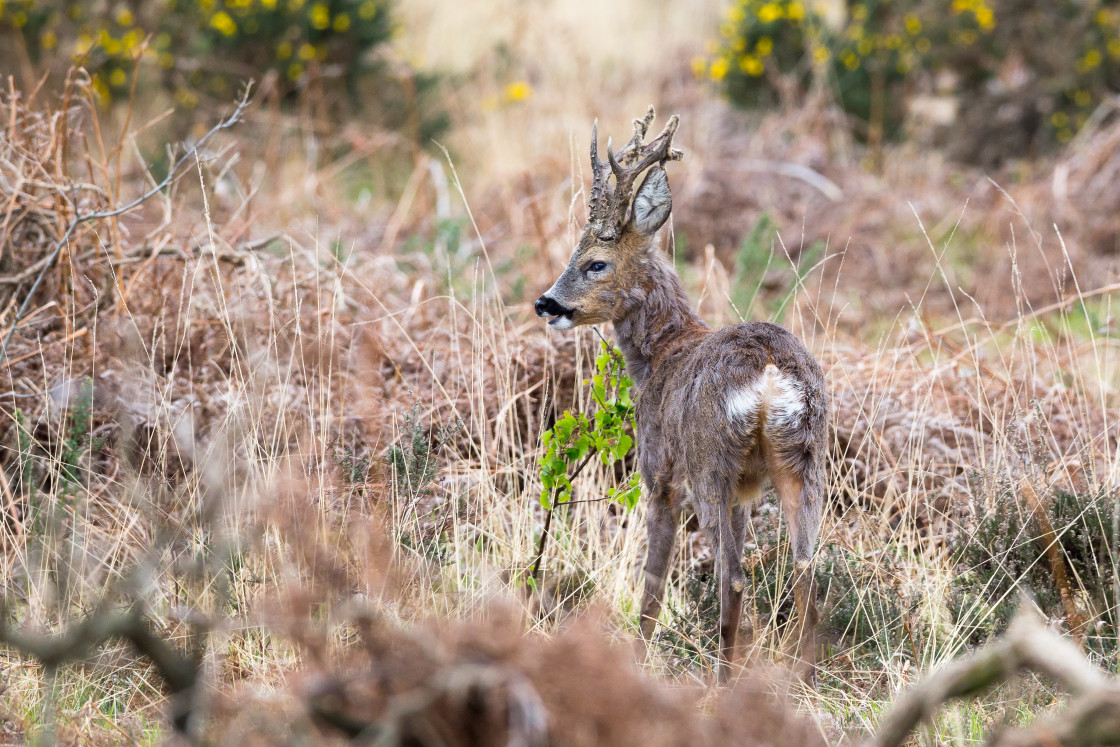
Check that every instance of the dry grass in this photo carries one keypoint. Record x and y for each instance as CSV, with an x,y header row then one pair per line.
x,y
198,409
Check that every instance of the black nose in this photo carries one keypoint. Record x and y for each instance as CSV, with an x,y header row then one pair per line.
x,y
545,306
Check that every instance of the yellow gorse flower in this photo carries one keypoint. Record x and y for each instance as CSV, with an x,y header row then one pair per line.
x,y
517,91
320,16
752,66
770,12
718,70
223,23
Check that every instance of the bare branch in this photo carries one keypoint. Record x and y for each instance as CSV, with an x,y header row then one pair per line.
x,y
77,643
1025,645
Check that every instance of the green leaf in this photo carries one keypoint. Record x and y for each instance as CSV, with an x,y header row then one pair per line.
x,y
625,442
583,444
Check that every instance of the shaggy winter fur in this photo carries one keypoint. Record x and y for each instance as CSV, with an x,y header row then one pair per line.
x,y
718,412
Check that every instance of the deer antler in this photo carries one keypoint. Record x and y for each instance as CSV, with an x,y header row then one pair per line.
x,y
610,208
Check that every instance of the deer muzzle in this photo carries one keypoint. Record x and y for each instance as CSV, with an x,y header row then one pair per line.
x,y
549,307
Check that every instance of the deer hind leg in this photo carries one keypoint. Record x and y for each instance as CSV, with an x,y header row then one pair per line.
x,y
747,495
801,506
721,529
661,531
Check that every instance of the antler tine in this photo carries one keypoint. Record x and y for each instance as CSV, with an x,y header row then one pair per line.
x,y
618,170
660,149
598,182
630,152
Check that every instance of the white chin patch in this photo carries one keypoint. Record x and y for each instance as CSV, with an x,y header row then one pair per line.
x,y
561,322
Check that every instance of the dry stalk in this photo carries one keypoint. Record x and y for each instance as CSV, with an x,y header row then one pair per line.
x,y
1050,546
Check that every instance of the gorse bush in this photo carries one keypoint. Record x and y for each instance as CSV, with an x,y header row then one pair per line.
x,y
202,47
761,43
1055,61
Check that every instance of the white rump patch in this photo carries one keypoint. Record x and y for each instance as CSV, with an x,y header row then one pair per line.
x,y
776,398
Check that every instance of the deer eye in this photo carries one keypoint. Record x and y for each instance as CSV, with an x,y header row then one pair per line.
x,y
596,267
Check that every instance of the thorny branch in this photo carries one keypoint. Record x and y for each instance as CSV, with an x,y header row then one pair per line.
x,y
44,265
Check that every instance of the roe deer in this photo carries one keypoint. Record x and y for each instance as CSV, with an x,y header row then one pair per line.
x,y
717,411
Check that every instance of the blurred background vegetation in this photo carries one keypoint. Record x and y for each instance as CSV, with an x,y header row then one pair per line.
x,y
1040,67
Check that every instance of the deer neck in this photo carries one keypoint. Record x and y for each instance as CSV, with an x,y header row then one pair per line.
x,y
656,317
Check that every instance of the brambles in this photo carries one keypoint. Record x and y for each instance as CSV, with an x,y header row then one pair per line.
x,y
1048,64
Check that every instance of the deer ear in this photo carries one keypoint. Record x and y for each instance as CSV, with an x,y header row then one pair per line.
x,y
652,203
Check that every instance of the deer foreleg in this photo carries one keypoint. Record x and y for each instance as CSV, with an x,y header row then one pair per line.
x,y
661,530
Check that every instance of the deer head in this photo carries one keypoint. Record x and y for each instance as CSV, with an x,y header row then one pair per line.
x,y
606,266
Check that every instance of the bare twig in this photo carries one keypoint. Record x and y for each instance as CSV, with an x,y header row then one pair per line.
x,y
814,179
45,264
536,570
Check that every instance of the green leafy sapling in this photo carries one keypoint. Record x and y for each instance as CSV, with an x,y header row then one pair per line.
x,y
576,438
